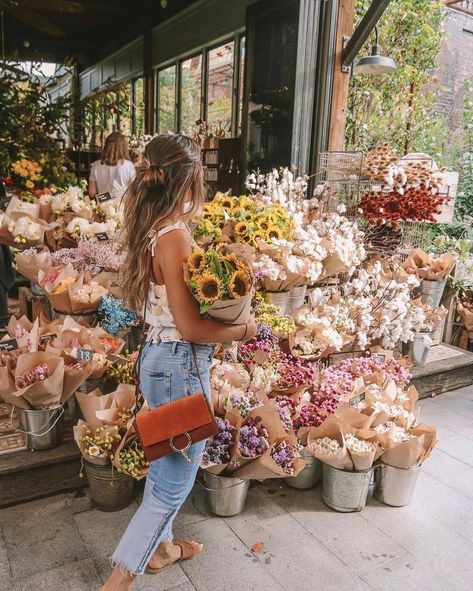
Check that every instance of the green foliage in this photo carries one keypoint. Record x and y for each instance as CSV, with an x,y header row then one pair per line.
x,y
28,121
464,201
399,107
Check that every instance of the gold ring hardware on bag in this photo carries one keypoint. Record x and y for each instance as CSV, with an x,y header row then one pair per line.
x,y
184,449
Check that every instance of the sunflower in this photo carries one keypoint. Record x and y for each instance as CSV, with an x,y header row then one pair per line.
x,y
228,203
209,287
274,232
196,261
241,227
239,284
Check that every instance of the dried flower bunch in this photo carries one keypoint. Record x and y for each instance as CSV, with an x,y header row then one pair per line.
x,y
253,440
218,449
285,455
36,374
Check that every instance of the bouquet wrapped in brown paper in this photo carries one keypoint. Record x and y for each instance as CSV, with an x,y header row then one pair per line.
x,y
129,456
277,273
31,264
221,280
467,316
406,448
107,409
427,267
23,232
97,444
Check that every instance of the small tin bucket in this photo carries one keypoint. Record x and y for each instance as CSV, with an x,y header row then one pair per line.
x,y
225,495
418,350
432,292
278,298
110,490
296,299
395,486
345,491
89,385
43,428
309,476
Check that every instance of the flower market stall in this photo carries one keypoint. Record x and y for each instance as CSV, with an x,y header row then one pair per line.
x,y
347,302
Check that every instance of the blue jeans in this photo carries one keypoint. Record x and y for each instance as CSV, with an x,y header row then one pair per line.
x,y
167,373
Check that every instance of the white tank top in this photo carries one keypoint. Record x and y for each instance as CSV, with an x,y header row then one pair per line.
x,y
158,314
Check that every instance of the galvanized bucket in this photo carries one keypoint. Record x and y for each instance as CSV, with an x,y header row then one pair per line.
x,y
110,490
71,411
309,476
225,495
89,385
296,299
43,428
432,292
278,298
345,491
418,350
395,486
37,290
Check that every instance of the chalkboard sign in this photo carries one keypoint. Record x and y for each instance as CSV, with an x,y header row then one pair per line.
x,y
9,345
47,337
102,197
84,355
355,401
102,236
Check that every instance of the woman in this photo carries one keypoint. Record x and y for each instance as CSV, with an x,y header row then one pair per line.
x,y
115,165
167,191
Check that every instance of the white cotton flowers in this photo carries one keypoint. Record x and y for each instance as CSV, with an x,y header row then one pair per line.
x,y
71,200
25,229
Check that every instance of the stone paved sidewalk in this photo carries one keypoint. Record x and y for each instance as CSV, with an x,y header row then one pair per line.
x,y
61,543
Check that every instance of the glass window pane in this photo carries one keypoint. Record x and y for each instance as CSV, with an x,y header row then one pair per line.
x,y
166,99
189,101
241,85
220,84
124,106
139,108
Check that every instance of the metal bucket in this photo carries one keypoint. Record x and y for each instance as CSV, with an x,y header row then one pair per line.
x,y
225,495
89,385
43,428
432,292
71,411
110,490
37,290
418,351
278,298
395,486
296,299
309,476
345,491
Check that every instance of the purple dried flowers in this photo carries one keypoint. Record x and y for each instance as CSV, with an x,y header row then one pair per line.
x,y
253,441
245,403
219,447
285,455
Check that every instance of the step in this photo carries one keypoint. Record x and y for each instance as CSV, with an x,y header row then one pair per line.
x,y
447,368
28,475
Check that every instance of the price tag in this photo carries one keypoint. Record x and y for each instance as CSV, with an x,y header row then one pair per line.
x,y
379,357
101,236
47,337
102,197
84,355
9,345
355,401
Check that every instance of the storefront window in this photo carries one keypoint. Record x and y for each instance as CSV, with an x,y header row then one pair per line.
x,y
138,108
190,95
241,83
167,100
124,109
220,85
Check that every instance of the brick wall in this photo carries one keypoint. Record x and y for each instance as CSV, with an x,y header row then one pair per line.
x,y
455,65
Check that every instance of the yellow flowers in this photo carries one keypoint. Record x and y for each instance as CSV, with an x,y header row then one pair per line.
x,y
215,275
28,170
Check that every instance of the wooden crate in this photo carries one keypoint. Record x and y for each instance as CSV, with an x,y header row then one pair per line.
x,y
33,306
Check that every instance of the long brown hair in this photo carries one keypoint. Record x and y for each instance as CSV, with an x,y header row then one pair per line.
x,y
115,149
172,168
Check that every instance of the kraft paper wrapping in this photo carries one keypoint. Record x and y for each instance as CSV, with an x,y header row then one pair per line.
x,y
265,467
30,266
7,386
427,267
61,301
128,438
90,403
73,378
412,453
46,393
466,316
17,208
364,460
6,237
332,429
79,431
83,307
231,311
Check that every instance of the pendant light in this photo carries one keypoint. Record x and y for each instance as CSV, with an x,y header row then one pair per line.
x,y
375,63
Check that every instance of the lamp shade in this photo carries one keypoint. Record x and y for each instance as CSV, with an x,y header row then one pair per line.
x,y
374,63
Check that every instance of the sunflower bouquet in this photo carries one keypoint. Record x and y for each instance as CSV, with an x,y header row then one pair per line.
x,y
221,280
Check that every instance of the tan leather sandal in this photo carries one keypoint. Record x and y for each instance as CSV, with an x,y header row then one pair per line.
x,y
188,551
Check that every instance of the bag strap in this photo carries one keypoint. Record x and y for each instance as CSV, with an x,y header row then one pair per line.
x,y
137,365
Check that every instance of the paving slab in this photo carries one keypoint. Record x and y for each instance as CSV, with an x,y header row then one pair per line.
x,y
75,576
5,575
408,573
226,564
40,536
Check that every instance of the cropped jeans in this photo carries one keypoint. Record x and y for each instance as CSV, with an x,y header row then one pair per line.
x,y
167,373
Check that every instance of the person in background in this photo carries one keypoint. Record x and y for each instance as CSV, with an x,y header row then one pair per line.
x,y
7,274
115,165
